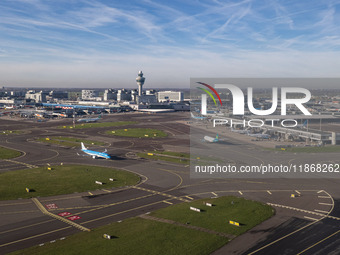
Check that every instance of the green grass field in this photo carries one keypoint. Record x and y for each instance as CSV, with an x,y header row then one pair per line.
x,y
8,153
61,180
138,133
100,125
248,213
68,141
134,236
311,149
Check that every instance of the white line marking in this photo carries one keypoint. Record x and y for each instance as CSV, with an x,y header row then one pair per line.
x,y
323,197
309,218
240,192
269,192
214,194
324,204
297,192
320,191
320,211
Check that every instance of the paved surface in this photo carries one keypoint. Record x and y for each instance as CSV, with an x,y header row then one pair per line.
x,y
308,223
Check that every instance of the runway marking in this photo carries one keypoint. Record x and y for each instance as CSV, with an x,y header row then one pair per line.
x,y
24,203
189,197
304,211
310,218
297,192
98,207
240,192
269,192
20,163
323,197
31,211
11,230
310,224
320,191
129,210
214,194
324,204
90,194
161,193
318,242
31,237
106,190
321,211
44,211
164,201
180,178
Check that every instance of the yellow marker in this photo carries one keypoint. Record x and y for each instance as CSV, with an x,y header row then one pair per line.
x,y
150,154
64,126
49,168
47,139
292,195
146,135
198,158
125,129
283,149
27,190
234,223
113,132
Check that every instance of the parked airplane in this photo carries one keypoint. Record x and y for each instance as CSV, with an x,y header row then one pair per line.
x,y
90,119
241,131
211,139
260,136
95,154
303,125
197,117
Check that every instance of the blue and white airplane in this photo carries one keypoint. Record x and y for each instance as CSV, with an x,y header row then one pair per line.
x,y
210,139
197,117
90,119
95,154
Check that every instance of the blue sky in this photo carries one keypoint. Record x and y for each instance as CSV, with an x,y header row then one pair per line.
x,y
98,43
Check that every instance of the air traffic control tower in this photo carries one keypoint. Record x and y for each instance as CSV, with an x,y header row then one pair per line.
x,y
140,81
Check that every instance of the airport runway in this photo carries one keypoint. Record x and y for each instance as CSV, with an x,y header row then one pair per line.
x,y
308,223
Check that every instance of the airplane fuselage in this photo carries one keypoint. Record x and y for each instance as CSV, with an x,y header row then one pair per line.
x,y
97,154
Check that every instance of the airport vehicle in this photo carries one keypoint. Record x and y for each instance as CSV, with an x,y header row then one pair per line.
x,y
197,117
90,119
211,139
259,136
95,154
241,131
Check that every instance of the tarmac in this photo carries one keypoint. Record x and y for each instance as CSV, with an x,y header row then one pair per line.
x,y
305,224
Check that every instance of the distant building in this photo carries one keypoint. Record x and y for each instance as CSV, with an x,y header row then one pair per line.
x,y
58,94
170,96
110,94
123,95
38,97
89,94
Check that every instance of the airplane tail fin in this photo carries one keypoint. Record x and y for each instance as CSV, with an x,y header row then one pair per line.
x,y
83,146
216,136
